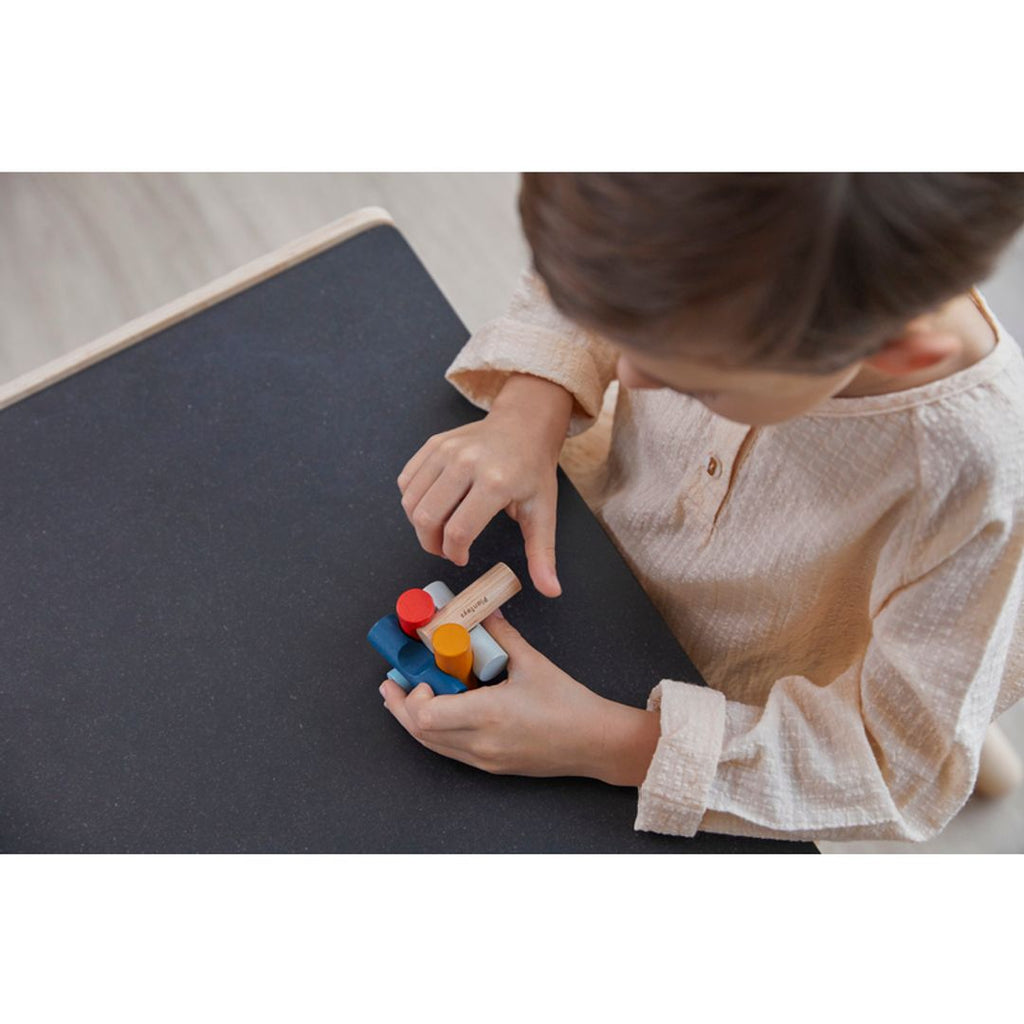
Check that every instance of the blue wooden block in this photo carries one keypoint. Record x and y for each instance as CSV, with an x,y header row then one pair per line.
x,y
409,656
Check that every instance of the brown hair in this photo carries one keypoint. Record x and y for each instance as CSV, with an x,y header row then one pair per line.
x,y
817,266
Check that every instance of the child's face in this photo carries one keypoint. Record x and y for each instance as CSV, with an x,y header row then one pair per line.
x,y
754,397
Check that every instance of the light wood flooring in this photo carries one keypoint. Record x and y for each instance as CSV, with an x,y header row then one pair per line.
x,y
81,254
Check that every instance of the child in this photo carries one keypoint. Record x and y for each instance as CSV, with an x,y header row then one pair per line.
x,y
816,471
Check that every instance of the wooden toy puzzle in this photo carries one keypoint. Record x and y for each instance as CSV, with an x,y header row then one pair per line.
x,y
435,636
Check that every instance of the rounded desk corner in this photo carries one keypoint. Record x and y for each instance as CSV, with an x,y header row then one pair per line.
x,y
246,276
365,218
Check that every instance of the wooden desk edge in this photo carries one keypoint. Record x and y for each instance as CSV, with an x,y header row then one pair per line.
x,y
193,302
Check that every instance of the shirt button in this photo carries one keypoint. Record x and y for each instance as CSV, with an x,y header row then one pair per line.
x,y
714,467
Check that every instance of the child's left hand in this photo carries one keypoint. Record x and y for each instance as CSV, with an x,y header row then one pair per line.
x,y
540,721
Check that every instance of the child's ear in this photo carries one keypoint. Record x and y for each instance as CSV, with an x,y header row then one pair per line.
x,y
919,346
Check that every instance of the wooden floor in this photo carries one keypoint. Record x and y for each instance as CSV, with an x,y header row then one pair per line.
x,y
82,254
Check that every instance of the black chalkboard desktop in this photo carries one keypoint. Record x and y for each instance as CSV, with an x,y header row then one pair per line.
x,y
199,523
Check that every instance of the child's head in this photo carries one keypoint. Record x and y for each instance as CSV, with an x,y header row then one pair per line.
x,y
764,294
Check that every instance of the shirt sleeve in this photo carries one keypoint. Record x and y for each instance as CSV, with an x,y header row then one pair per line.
x,y
889,750
533,337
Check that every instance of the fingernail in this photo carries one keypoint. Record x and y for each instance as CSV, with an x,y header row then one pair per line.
x,y
381,690
497,613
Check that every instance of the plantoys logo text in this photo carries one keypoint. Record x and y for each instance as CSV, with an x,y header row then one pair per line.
x,y
473,607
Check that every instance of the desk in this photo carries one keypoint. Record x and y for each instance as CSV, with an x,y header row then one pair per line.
x,y
200,522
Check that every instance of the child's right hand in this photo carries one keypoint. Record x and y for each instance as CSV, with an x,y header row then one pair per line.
x,y
459,480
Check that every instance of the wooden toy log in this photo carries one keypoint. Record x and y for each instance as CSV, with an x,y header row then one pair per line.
x,y
453,653
410,657
476,602
489,658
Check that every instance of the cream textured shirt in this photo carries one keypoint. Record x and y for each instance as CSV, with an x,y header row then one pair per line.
x,y
848,583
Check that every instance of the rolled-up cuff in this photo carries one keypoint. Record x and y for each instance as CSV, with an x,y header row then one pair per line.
x,y
674,795
480,370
